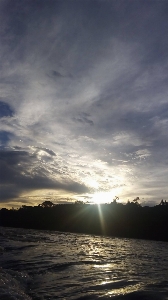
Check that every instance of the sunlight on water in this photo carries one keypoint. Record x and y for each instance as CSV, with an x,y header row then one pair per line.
x,y
125,290
53,265
105,267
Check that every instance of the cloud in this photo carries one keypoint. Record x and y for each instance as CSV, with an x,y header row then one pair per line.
x,y
5,110
5,137
50,152
21,172
56,74
84,95
83,118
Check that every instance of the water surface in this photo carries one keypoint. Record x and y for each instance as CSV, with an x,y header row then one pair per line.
x,y
54,265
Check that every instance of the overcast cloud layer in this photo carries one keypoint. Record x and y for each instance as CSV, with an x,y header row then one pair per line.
x,y
84,101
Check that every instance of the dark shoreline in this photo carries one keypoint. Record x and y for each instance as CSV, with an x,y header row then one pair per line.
x,y
114,219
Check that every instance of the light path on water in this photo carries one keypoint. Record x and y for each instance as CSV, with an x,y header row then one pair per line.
x,y
53,265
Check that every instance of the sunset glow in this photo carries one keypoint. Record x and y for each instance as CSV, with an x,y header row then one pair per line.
x,y
103,197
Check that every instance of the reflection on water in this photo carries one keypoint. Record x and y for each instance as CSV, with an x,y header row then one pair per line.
x,y
54,265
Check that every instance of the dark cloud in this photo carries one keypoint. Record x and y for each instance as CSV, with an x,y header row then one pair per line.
x,y
83,118
5,137
9,192
18,174
56,74
90,24
5,110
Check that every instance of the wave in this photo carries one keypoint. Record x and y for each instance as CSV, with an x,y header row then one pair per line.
x,y
21,248
42,265
138,295
1,249
12,285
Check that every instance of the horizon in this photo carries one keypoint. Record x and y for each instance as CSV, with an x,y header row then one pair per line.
x,y
135,201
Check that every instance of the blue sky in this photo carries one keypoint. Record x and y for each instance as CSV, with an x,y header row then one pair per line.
x,y
84,101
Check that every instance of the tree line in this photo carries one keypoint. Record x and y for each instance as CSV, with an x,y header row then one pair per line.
x,y
114,219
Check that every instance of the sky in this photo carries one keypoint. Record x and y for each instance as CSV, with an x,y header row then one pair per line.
x,y
84,101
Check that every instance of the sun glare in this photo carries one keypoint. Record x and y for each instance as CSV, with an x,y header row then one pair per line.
x,y
103,197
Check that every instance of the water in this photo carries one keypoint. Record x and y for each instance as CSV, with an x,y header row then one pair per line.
x,y
53,265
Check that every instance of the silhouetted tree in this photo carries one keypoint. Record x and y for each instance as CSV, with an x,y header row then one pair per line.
x,y
47,204
115,199
162,202
135,201
79,202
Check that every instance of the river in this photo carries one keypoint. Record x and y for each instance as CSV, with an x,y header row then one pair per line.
x,y
55,265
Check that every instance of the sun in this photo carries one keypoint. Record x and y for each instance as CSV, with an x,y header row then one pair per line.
x,y
102,197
